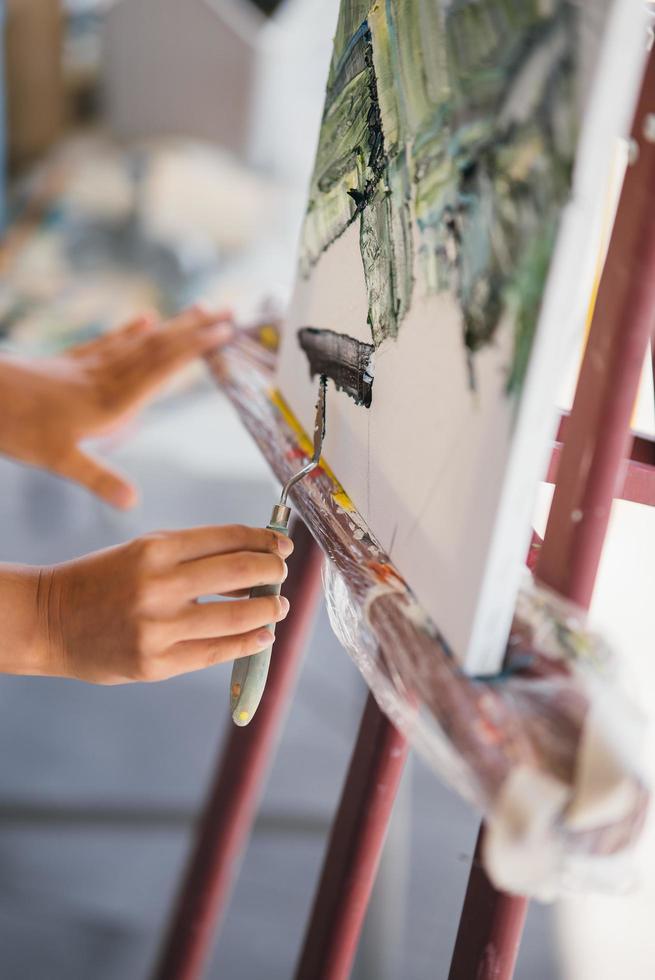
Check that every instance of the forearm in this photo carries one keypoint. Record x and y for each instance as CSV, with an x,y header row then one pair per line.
x,y
23,643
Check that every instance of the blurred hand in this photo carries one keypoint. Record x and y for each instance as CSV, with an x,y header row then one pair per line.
x,y
130,613
48,405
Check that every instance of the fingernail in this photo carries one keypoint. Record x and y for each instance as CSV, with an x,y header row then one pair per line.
x,y
286,572
284,545
264,639
284,605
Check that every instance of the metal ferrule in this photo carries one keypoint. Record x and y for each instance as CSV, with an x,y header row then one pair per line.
x,y
280,516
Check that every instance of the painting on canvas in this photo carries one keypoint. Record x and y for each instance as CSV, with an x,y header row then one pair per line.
x,y
445,265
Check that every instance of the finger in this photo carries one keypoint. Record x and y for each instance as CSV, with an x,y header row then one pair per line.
x,y
99,479
212,619
198,654
193,332
232,594
226,573
139,325
149,364
122,342
202,542
170,354
196,317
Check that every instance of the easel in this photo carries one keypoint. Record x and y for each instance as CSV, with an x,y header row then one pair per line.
x,y
598,432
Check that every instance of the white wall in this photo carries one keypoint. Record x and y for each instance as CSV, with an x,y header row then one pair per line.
x,y
181,68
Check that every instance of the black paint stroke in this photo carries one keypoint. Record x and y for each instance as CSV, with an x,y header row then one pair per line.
x,y
348,362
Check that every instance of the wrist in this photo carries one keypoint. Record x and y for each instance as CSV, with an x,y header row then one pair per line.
x,y
25,646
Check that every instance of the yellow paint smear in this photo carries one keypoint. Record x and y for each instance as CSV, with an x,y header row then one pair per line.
x,y
304,442
244,716
269,336
342,500
306,445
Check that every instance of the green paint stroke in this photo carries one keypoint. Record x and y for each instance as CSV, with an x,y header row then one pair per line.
x,y
385,238
449,130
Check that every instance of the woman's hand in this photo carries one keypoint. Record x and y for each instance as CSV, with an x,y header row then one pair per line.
x,y
49,405
131,613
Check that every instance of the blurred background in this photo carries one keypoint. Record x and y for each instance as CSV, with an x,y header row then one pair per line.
x,y
157,152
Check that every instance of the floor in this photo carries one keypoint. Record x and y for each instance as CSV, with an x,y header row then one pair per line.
x,y
100,786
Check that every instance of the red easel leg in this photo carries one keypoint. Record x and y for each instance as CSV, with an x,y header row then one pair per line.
x,y
354,849
230,809
490,928
596,445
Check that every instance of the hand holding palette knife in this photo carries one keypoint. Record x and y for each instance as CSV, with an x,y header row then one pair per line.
x,y
249,673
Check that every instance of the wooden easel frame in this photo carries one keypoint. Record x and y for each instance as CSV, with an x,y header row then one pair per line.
x,y
595,464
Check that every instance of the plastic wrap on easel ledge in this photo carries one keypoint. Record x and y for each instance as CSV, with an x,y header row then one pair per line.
x,y
548,749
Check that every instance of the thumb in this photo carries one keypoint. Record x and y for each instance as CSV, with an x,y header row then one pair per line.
x,y
99,479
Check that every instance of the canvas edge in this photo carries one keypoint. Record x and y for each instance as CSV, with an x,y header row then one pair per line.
x,y
564,308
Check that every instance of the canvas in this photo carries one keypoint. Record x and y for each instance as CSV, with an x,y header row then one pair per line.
x,y
445,268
